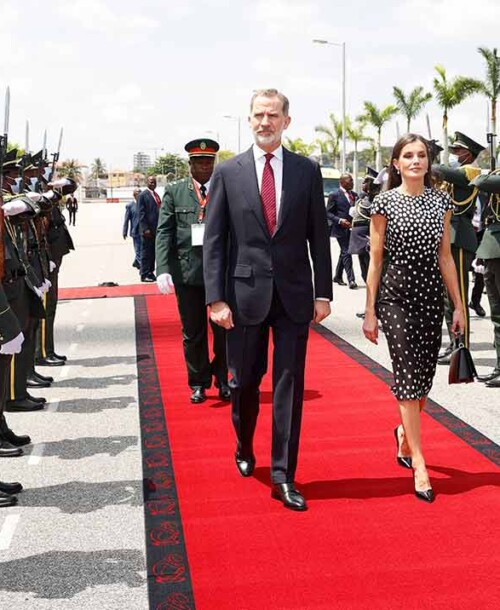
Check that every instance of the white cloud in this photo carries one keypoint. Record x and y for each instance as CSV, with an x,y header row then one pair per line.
x,y
279,16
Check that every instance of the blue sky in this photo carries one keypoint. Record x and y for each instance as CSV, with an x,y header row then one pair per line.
x,y
124,76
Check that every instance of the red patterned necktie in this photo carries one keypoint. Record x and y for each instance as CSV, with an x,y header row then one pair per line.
x,y
157,198
268,195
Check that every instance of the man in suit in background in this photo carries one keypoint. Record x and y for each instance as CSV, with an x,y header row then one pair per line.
x,y
179,258
148,206
339,219
266,208
131,227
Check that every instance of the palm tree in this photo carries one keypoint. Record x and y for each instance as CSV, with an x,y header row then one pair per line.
x,y
299,146
490,87
451,93
71,168
377,118
355,133
333,135
325,152
411,106
98,169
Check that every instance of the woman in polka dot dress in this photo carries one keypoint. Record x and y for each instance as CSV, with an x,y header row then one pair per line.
x,y
412,220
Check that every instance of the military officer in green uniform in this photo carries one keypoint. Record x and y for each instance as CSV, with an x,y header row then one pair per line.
x,y
179,261
489,252
463,168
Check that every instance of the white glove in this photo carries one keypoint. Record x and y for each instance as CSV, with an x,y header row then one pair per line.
x,y
13,346
38,292
477,268
165,284
52,266
16,206
48,283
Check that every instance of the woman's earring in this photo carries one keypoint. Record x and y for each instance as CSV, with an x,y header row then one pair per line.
x,y
397,171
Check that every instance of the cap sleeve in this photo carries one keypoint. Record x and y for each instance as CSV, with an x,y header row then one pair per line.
x,y
379,206
447,202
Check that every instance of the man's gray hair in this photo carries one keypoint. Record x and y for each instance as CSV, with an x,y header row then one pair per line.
x,y
271,93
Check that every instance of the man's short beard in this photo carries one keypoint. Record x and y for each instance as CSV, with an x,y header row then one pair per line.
x,y
266,140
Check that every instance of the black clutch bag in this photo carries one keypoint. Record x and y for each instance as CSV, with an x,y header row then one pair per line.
x,y
462,369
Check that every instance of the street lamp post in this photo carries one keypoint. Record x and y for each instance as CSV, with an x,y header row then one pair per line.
x,y
236,118
340,44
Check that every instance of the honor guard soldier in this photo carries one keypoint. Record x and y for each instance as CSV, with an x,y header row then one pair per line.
x,y
463,168
179,258
489,252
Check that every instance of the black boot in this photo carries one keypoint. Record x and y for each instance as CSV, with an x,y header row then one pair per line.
x,y
8,435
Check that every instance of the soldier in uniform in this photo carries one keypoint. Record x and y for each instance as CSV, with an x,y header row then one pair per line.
x,y
179,257
60,244
463,168
489,252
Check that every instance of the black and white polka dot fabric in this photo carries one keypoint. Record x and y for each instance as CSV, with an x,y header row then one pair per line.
x,y
410,300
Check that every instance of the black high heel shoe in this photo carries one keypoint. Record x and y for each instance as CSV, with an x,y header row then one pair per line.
x,y
427,495
405,462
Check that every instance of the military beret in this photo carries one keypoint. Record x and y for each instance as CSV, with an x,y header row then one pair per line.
x,y
202,147
460,140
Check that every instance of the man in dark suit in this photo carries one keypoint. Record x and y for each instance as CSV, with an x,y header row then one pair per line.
x,y
131,227
179,258
339,219
266,208
148,206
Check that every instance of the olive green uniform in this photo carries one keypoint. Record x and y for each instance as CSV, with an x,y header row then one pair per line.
x,y
463,235
176,255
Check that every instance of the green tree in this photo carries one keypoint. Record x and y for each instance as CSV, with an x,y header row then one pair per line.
x,y
490,87
451,93
355,133
411,105
299,146
224,155
98,169
326,156
70,168
377,118
170,164
333,136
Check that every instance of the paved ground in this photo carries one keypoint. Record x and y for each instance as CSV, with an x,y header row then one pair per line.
x,y
76,539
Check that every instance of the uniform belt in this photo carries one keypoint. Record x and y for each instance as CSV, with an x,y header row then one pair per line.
x,y
360,223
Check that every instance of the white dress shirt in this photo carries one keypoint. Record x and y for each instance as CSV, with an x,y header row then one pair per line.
x,y
259,156
198,184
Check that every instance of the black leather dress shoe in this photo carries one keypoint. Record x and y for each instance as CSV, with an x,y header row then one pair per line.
x,y
493,383
495,373
35,382
59,357
291,498
224,391
245,465
7,500
10,488
198,395
8,450
478,309
38,399
49,361
41,377
353,285
6,434
340,282
22,406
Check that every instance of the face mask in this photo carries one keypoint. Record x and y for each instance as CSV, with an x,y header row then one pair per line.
x,y
16,185
453,161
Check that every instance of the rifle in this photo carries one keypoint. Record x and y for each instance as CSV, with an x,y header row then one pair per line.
x,y
3,150
490,137
41,165
55,156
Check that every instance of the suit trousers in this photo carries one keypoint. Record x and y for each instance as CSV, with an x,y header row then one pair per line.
x,y
4,380
247,363
138,248
147,256
463,260
364,263
194,318
492,282
345,259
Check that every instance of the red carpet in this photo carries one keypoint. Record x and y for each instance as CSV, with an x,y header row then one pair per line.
x,y
99,292
366,541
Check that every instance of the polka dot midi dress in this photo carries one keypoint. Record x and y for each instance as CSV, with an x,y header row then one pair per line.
x,y
410,301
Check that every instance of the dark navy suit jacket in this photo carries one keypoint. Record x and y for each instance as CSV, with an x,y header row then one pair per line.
x,y
337,208
149,211
131,221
